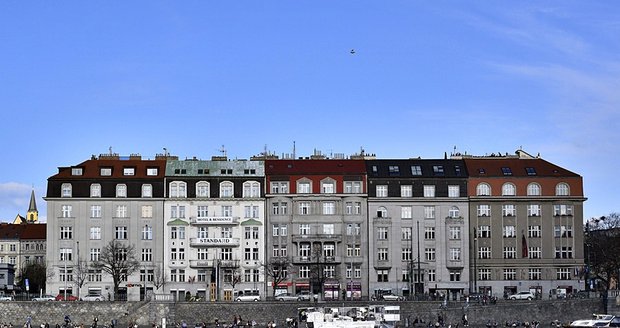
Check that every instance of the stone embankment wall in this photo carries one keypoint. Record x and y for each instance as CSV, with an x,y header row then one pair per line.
x,y
262,312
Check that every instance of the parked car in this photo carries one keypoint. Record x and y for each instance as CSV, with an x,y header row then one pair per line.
x,y
4,298
91,297
61,297
522,296
286,297
247,298
391,297
307,296
44,298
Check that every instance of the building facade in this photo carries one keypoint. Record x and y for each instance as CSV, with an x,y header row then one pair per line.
x,y
527,223
214,228
104,199
418,216
317,222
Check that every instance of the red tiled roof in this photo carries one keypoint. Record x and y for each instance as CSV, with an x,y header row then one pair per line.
x,y
91,169
315,166
493,167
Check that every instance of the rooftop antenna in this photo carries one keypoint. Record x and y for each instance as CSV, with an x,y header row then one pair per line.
x,y
110,150
165,152
222,151
294,150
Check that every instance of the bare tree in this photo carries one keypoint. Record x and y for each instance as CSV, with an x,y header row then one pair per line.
x,y
317,267
36,273
159,277
277,269
602,244
118,260
80,274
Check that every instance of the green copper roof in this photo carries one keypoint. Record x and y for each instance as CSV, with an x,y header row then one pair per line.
x,y
251,222
177,222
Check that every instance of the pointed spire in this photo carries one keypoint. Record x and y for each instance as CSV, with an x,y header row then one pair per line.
x,y
33,203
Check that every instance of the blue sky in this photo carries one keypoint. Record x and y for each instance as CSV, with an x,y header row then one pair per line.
x,y
78,77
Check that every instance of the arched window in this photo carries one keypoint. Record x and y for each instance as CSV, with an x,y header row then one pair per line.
x,y
508,189
147,191
533,189
66,190
95,190
226,189
251,189
382,212
483,189
121,190
328,186
562,189
178,189
454,212
202,189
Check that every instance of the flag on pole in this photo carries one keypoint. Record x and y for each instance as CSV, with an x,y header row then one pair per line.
x,y
523,246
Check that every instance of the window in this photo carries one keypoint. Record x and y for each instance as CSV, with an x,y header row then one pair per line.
x,y
533,210
406,212
304,271
151,171
121,190
147,191
202,189
226,189
455,275
66,233
95,253
146,211
484,252
563,231
303,187
530,171
147,232
510,274
533,231
510,252
66,211
406,191
509,231
484,231
559,210
483,189
382,191
454,191
382,212
405,255
353,229
66,190
429,191
250,211
329,208
105,171
352,187
454,212
76,171
429,233
382,254
382,233
66,254
328,187
304,208
455,254
533,189
534,252
95,233
95,190
562,189
393,170
455,233
563,274
509,210
484,274
226,211
304,229
120,233
251,189
432,275
506,171
429,254
280,208
438,170
508,189
279,187
416,170
129,171
226,171
95,211
121,211
484,210
429,212
534,274
383,275
405,233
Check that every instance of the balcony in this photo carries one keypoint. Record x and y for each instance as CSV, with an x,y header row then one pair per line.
x,y
214,220
214,242
458,264
317,237
314,259
201,263
177,264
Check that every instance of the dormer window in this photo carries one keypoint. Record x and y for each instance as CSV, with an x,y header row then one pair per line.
x,y
151,171
66,190
129,171
416,170
506,171
438,170
76,171
530,171
105,171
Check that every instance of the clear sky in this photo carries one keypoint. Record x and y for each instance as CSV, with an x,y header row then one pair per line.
x,y
78,77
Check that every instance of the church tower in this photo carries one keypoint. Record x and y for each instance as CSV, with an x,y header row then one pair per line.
x,y
33,214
